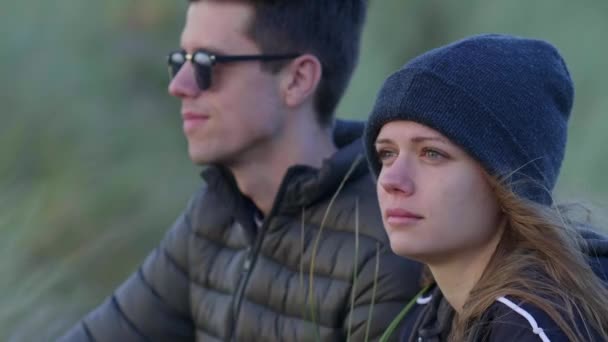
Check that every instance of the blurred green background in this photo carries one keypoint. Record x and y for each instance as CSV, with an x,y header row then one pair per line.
x,y
93,165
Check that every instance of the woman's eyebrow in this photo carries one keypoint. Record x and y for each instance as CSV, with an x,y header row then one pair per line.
x,y
420,139
383,141
417,139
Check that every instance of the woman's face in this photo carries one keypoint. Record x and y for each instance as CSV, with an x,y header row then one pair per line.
x,y
436,201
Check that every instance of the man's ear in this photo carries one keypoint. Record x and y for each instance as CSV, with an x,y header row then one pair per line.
x,y
300,79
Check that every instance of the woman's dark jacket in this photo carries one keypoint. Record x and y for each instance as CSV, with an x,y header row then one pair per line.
x,y
217,276
507,319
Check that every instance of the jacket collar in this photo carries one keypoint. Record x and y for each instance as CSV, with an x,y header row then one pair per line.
x,y
305,185
435,321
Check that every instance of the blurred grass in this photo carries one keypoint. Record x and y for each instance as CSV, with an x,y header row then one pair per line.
x,y
93,166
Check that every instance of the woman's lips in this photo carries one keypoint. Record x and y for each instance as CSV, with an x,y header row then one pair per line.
x,y
401,217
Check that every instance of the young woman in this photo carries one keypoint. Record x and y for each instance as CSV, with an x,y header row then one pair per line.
x,y
467,141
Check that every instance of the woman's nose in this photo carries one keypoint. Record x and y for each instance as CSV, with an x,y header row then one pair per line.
x,y
398,178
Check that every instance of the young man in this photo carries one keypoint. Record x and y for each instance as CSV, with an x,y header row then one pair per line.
x,y
285,241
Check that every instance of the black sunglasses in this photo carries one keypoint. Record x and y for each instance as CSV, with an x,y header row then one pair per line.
x,y
203,61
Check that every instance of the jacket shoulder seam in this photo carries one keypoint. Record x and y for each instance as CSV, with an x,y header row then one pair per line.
x,y
536,329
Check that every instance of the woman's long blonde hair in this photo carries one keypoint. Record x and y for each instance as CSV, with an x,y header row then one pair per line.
x,y
540,260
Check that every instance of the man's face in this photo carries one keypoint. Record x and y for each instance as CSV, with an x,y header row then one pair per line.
x,y
239,117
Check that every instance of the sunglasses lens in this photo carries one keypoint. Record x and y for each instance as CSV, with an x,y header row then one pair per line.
x,y
201,62
203,76
202,66
175,61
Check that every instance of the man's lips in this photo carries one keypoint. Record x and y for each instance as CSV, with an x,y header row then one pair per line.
x,y
401,217
193,120
194,116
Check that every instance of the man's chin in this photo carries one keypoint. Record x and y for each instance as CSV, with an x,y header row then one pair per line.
x,y
206,158
200,158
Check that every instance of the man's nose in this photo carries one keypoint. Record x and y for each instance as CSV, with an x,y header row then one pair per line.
x,y
184,83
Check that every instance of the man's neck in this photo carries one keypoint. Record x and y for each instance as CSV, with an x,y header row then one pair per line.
x,y
304,144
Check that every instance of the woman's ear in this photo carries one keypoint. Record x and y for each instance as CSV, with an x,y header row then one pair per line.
x,y
300,79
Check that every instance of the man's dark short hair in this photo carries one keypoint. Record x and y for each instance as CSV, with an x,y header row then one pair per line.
x,y
328,29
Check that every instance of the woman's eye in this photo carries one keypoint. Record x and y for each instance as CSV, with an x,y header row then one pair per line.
x,y
433,154
384,155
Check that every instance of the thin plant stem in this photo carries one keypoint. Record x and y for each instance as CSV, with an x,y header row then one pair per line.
x,y
318,239
375,287
355,273
395,323
301,270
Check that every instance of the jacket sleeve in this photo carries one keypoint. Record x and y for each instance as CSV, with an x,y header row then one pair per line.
x,y
396,284
153,303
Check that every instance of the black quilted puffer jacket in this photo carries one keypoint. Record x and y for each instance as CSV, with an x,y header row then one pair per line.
x,y
217,276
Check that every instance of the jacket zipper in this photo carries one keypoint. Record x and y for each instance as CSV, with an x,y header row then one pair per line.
x,y
243,280
251,258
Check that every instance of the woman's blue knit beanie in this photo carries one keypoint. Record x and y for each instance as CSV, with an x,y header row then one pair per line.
x,y
504,99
